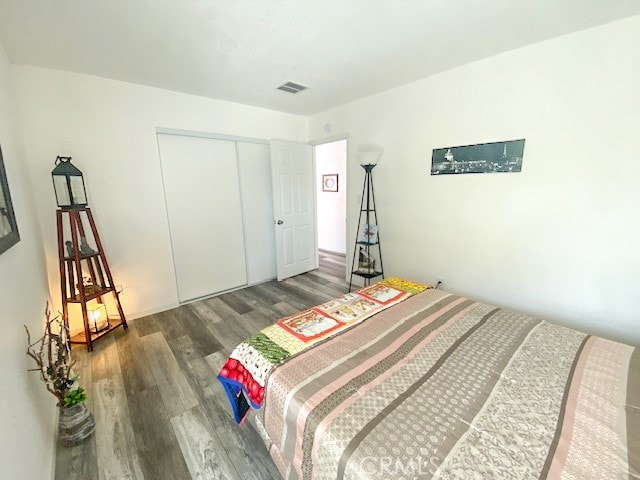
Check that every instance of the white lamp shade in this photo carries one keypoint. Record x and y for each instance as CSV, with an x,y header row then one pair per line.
x,y
369,158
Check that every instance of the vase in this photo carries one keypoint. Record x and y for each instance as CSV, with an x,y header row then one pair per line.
x,y
76,424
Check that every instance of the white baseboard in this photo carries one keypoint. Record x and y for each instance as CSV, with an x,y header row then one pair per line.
x,y
151,311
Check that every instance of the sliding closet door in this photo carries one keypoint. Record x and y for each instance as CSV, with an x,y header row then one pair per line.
x,y
205,216
257,207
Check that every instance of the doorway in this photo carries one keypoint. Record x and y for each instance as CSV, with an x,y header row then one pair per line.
x,y
331,204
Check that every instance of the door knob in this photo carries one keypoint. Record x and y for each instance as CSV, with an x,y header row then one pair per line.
x,y
279,222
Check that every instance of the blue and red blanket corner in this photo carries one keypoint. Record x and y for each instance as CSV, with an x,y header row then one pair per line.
x,y
240,403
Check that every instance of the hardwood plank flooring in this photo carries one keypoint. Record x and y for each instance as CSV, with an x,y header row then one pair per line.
x,y
201,447
160,411
154,434
147,325
104,359
175,391
138,375
114,431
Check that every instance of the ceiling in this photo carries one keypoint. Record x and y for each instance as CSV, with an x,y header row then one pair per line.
x,y
241,50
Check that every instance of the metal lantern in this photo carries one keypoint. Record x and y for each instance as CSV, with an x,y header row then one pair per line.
x,y
97,316
68,184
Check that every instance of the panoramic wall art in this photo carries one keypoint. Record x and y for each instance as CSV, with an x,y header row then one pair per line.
x,y
481,158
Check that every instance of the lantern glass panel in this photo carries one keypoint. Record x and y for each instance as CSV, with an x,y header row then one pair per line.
x,y
97,317
62,192
77,190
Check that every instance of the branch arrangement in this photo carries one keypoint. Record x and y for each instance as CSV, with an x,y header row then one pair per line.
x,y
52,357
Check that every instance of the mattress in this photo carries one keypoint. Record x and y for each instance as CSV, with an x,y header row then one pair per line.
x,y
441,386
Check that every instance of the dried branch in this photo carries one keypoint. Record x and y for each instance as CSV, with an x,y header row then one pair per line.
x,y
52,356
47,314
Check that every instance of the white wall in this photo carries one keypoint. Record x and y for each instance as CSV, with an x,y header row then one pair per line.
x,y
561,238
331,206
28,418
108,127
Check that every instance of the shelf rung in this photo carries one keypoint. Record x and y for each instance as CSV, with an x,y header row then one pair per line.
x,y
366,274
82,257
104,291
80,337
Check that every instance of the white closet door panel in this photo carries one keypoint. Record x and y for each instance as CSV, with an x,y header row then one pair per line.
x,y
257,206
205,216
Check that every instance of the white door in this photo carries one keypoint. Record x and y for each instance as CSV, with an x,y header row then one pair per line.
x,y
257,211
294,208
205,216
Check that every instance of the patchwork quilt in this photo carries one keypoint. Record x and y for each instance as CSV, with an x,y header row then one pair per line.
x,y
245,372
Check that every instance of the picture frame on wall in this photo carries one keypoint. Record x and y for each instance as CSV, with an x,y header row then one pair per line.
x,y
9,235
493,157
330,182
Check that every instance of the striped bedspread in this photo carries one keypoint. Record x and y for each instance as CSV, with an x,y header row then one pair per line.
x,y
440,386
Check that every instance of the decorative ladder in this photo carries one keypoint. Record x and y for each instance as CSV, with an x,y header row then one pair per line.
x,y
363,263
72,283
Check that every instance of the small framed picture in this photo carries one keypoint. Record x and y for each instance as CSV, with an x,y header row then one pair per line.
x,y
369,234
330,182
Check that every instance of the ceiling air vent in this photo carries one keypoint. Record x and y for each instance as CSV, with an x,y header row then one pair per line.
x,y
292,87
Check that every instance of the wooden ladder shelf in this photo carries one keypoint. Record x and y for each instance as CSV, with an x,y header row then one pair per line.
x,y
76,257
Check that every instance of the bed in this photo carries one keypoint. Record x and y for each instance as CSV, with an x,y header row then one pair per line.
x,y
427,384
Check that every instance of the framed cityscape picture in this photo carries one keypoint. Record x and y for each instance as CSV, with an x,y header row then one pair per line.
x,y
481,158
330,182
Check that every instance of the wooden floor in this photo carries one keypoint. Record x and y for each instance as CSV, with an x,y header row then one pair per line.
x,y
160,411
